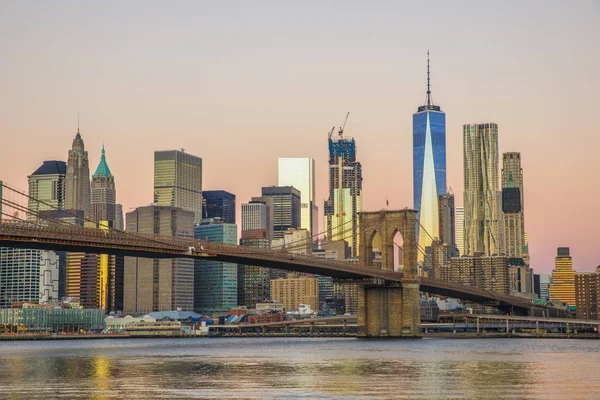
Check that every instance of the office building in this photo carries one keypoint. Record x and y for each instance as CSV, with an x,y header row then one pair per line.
x,y
219,204
513,211
215,282
562,288
521,280
486,272
253,281
159,284
429,167
178,181
447,219
292,291
481,232
27,276
103,193
286,208
119,222
255,215
587,295
545,281
77,182
459,221
300,173
46,188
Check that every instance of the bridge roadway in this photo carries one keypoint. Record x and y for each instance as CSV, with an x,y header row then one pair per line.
x,y
91,240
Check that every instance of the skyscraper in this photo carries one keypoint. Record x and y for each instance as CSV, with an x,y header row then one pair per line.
x,y
77,183
513,237
103,193
178,181
447,219
286,208
460,229
429,167
300,173
47,188
562,286
587,292
513,229
159,284
215,282
27,275
253,280
345,193
219,204
481,231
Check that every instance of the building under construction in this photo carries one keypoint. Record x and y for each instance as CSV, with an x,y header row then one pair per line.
x,y
345,192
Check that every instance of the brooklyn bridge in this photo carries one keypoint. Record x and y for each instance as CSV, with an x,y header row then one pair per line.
x,y
388,301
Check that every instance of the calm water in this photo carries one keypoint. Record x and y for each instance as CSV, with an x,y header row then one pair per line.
x,y
295,368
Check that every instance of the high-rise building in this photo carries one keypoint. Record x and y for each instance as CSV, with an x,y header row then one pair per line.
x,y
119,222
286,208
259,214
27,276
481,232
292,291
429,167
562,288
47,188
103,193
587,294
178,181
487,272
215,282
447,219
77,182
459,221
300,173
159,284
253,281
345,193
512,218
545,281
219,204
513,214
255,215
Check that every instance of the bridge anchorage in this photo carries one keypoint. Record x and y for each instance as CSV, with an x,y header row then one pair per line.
x,y
389,309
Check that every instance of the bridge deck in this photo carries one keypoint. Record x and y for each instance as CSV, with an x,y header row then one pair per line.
x,y
91,240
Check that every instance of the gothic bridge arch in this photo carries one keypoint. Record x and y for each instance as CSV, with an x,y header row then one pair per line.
x,y
389,310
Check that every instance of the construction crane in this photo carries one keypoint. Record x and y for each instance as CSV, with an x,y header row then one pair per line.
x,y
331,132
341,131
341,213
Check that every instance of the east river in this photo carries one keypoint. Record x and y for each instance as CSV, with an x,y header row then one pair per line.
x,y
298,368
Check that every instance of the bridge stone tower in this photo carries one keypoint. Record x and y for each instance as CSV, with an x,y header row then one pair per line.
x,y
389,309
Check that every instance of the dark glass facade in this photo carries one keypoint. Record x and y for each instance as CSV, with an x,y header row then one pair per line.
x,y
286,208
218,204
511,200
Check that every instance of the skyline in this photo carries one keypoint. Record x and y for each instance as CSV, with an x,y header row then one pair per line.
x,y
536,91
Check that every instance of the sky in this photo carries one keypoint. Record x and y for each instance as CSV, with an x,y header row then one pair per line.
x,y
242,83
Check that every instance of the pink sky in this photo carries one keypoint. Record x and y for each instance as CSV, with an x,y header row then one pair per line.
x,y
242,85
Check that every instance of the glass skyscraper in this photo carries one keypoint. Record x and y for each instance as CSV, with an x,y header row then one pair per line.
x,y
300,173
286,208
215,282
429,167
219,204
178,181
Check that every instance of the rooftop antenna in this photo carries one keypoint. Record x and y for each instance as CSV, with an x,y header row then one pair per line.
x,y
428,83
77,121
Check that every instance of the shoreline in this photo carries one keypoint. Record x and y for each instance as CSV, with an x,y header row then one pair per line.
x,y
10,338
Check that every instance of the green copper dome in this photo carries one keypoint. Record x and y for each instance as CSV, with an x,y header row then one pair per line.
x,y
102,170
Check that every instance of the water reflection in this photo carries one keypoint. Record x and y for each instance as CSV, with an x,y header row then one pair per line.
x,y
328,369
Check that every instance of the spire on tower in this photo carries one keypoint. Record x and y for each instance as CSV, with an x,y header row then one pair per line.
x,y
428,83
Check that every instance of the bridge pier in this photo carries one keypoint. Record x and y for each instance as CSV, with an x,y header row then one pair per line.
x,y
386,311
